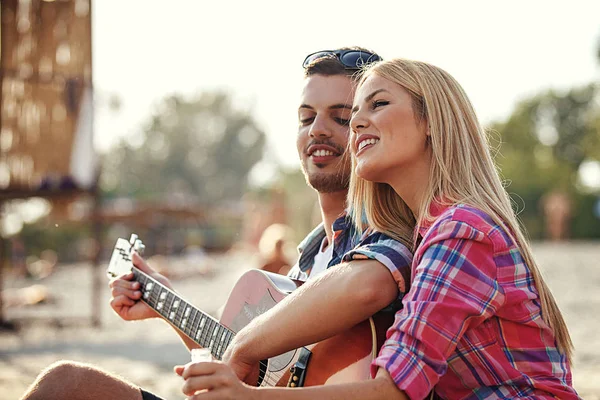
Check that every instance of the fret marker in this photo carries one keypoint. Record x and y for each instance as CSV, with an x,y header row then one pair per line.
x,y
172,315
159,306
183,323
149,286
163,295
221,342
188,311
146,295
176,304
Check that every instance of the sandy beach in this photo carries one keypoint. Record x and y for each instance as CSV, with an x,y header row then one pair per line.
x,y
145,352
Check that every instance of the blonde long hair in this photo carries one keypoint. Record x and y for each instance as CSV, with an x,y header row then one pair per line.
x,y
462,172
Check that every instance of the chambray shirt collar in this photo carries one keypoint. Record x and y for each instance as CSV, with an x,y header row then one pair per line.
x,y
309,247
343,231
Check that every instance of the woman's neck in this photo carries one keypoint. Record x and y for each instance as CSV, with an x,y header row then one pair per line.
x,y
411,185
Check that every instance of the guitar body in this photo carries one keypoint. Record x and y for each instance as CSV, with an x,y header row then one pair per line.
x,y
345,357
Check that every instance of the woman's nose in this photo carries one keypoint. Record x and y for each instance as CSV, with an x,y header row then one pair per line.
x,y
358,121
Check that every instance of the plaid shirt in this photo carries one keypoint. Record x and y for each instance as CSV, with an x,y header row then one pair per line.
x,y
348,245
471,323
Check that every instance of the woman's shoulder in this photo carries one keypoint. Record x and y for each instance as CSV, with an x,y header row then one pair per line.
x,y
466,214
469,222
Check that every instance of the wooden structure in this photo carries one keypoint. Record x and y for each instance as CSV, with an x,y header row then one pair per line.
x,y
46,135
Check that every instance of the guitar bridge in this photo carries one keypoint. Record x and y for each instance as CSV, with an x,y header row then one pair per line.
x,y
298,371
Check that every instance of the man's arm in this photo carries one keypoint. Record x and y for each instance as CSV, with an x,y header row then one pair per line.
x,y
331,303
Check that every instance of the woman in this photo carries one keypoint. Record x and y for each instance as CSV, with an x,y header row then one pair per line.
x,y
478,321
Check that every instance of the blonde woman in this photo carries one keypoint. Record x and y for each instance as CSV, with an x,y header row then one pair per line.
x,y
478,321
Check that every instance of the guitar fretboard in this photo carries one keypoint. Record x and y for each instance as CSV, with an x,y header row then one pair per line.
x,y
197,325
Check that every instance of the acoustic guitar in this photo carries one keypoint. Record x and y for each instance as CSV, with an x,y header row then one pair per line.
x,y
345,357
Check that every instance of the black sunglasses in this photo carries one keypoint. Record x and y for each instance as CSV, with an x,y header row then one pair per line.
x,y
350,59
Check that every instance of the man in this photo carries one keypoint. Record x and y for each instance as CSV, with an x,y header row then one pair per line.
x,y
364,287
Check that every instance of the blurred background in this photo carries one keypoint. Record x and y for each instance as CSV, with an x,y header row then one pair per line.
x,y
177,121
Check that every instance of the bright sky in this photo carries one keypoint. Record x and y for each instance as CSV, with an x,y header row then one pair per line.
x,y
500,51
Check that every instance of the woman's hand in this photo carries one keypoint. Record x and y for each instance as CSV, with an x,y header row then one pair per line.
x,y
125,293
214,380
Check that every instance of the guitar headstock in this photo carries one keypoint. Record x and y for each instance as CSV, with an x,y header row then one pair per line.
x,y
120,261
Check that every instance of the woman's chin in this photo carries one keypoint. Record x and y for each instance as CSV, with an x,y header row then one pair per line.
x,y
367,172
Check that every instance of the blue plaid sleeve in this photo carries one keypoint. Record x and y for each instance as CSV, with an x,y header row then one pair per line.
x,y
395,256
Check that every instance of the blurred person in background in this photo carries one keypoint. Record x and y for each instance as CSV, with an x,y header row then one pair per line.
x,y
274,249
371,269
557,210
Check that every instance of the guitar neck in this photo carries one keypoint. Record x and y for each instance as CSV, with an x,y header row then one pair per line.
x,y
194,323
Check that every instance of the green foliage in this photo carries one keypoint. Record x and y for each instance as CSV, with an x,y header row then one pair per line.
x,y
201,149
544,142
585,224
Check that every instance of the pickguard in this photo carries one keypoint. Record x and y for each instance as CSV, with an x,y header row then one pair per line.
x,y
250,311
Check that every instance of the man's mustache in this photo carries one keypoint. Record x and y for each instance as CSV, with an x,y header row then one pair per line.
x,y
337,147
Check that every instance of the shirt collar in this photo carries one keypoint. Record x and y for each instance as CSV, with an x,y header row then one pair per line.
x,y
311,244
436,209
309,247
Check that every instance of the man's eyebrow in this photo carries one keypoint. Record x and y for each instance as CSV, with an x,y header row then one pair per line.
x,y
341,106
333,107
369,98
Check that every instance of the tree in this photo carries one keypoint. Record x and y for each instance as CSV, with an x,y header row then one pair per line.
x,y
544,142
201,148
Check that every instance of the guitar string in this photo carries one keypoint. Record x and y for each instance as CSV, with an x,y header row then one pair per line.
x,y
167,309
154,296
271,378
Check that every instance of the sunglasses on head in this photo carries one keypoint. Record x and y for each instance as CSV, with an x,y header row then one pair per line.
x,y
350,59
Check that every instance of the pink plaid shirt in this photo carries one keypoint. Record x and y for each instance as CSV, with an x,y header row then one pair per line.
x,y
471,324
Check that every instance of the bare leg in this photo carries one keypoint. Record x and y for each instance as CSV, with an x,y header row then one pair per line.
x,y
78,381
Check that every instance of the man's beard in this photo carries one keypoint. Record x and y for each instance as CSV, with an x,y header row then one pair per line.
x,y
324,182
329,182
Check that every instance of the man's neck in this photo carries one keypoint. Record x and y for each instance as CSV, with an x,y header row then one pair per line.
x,y
332,206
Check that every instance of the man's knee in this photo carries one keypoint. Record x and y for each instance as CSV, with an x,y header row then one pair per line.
x,y
66,372
53,380
60,378
75,380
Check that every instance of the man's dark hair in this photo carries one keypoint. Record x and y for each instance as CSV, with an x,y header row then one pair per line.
x,y
330,65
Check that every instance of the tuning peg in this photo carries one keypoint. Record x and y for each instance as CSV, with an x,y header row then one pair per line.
x,y
133,238
139,247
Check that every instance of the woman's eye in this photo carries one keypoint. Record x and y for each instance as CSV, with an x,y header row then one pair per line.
x,y
379,103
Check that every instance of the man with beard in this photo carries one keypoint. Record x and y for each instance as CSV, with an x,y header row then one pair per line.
x,y
371,270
